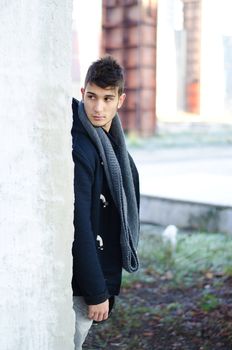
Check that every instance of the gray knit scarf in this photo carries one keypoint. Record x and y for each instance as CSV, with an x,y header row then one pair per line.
x,y
120,181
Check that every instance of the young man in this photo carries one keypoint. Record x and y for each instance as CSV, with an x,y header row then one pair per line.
x,y
106,186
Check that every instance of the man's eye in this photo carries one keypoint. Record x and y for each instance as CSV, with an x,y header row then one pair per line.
x,y
91,97
108,99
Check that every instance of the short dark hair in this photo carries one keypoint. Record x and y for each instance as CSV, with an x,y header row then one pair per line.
x,y
106,72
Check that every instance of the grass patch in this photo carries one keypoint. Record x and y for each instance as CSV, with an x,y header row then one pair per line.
x,y
209,302
195,254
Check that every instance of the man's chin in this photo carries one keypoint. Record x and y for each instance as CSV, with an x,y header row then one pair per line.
x,y
98,124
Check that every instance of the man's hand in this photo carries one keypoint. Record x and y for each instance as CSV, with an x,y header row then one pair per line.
x,y
99,312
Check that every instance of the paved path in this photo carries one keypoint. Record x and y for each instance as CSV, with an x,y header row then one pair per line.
x,y
194,174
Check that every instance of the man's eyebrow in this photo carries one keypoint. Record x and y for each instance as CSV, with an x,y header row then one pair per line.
x,y
107,95
110,95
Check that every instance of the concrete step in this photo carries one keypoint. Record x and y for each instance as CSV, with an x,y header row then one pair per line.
x,y
186,214
189,188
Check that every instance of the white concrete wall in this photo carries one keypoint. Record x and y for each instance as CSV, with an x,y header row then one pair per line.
x,y
35,175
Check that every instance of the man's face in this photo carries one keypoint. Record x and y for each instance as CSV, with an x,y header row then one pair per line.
x,y
101,105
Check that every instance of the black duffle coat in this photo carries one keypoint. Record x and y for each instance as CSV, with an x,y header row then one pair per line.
x,y
97,260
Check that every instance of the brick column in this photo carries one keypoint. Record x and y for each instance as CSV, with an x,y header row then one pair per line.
x,y
129,34
192,24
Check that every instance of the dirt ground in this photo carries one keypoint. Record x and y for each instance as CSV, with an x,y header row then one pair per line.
x,y
177,301
160,317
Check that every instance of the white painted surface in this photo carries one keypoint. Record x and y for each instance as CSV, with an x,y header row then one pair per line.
x,y
212,61
36,176
166,61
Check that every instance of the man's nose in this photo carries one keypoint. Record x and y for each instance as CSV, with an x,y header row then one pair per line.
x,y
98,106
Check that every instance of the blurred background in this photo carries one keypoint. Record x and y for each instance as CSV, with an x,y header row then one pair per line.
x,y
176,54
177,116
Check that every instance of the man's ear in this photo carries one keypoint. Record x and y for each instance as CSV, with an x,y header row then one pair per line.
x,y
121,100
82,93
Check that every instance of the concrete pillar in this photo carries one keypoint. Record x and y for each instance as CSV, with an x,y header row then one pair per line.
x,y
36,176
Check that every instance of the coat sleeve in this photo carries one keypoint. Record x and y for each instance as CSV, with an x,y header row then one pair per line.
x,y
87,272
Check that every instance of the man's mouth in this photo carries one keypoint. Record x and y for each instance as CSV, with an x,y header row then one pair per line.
x,y
98,117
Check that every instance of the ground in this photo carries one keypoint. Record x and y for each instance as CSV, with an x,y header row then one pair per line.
x,y
180,299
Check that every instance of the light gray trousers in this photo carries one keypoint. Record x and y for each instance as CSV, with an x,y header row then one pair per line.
x,y
82,323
